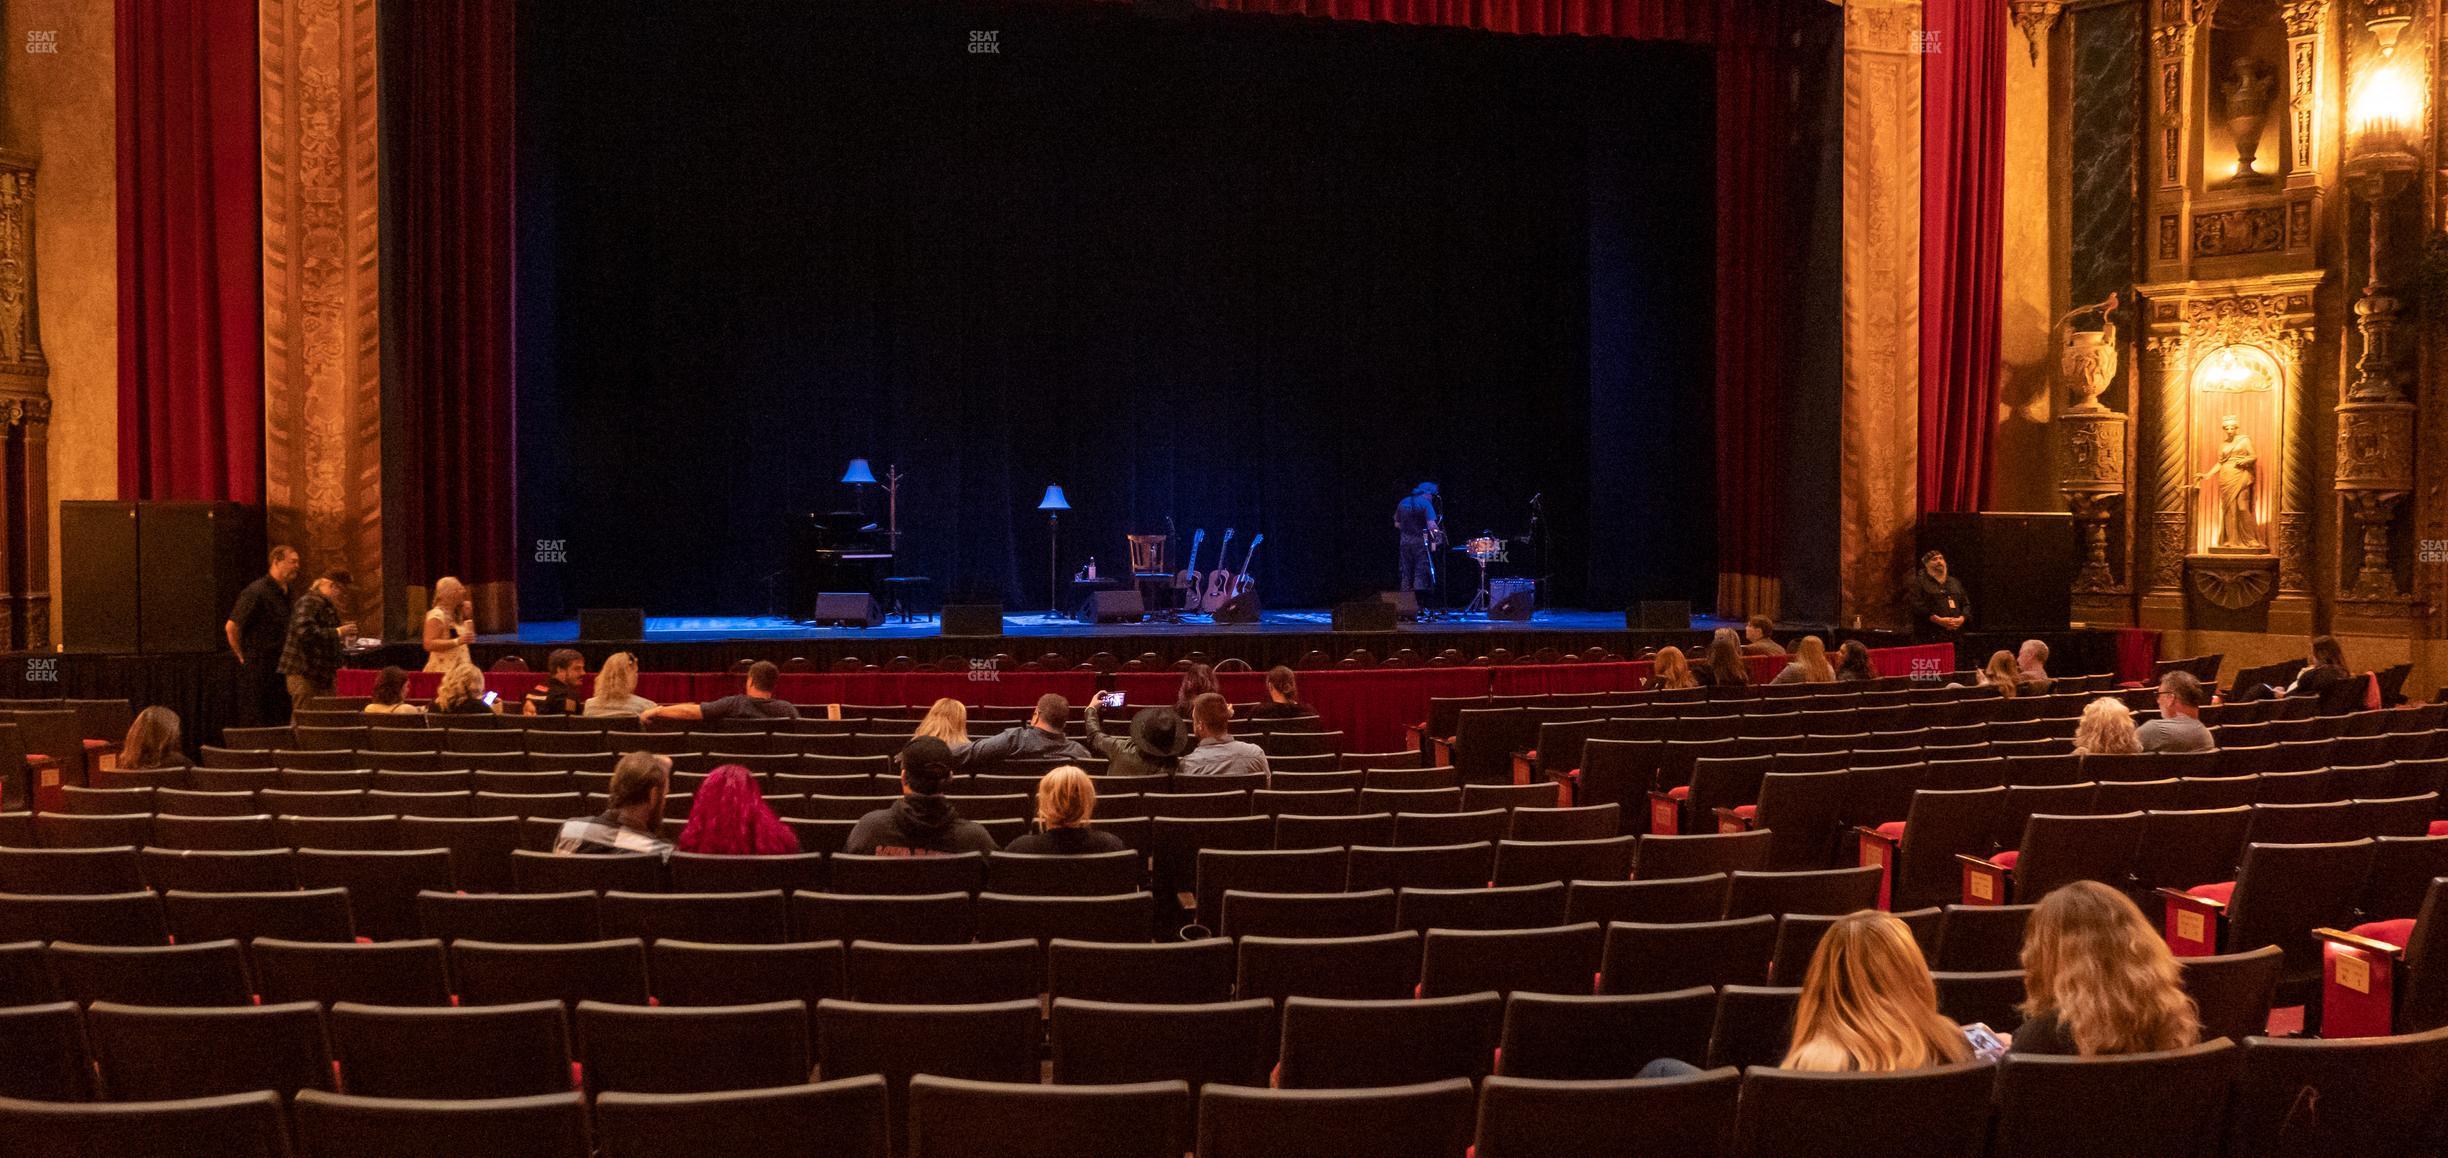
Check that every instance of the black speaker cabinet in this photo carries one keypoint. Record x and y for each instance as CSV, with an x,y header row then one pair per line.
x,y
1404,603
97,596
1113,605
2017,567
1659,615
1515,607
154,576
846,609
972,619
611,623
1367,615
1242,608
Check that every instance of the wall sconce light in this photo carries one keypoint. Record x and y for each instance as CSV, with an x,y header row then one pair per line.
x,y
2385,19
2383,117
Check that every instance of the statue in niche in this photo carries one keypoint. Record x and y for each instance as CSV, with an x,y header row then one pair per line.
x,y
2238,475
2250,87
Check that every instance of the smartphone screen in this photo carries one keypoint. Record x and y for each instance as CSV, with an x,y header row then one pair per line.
x,y
1985,1043
492,699
1109,699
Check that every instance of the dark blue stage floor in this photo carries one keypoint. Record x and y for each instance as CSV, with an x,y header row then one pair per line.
x,y
697,629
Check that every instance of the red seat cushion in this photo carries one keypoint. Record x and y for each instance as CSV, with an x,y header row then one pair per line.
x,y
1892,830
1746,810
38,760
1679,792
2007,859
2439,828
100,745
2396,932
2221,892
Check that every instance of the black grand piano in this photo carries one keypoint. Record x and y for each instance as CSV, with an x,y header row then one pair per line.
x,y
833,551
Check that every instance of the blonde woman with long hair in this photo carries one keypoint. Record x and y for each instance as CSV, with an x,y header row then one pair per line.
x,y
1868,1004
462,692
947,720
2107,729
1066,804
450,625
1809,664
2002,674
152,742
616,688
1670,672
2099,980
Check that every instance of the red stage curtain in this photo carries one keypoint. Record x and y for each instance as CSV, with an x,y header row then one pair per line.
x,y
1693,20
190,252
455,88
1963,194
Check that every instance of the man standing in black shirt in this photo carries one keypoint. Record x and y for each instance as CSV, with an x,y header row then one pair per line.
x,y
1936,601
1416,534
256,628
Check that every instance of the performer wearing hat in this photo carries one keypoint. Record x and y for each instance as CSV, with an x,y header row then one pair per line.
x,y
1418,533
1936,601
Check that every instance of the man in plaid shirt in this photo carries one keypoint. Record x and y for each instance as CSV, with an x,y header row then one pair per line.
x,y
310,660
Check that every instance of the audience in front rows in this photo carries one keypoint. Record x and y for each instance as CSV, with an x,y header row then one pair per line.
x,y
1066,802
632,820
1283,700
1726,666
1157,740
1809,664
2099,980
2000,675
1197,680
728,816
1759,637
1670,672
1217,752
2106,729
947,720
153,742
563,692
922,822
758,702
2031,667
1041,738
2179,727
390,694
1853,662
616,689
462,692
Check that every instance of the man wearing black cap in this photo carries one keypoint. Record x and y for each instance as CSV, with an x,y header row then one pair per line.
x,y
1154,747
922,822
1417,536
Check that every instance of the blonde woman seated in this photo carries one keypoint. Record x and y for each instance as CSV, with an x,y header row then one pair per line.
x,y
462,693
152,742
2107,729
947,720
1809,664
2099,980
1066,799
1670,672
2002,674
1867,1006
616,689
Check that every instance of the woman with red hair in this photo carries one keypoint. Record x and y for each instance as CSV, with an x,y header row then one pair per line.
x,y
729,817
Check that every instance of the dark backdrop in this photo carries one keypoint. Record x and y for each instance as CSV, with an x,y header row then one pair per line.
x,y
1236,270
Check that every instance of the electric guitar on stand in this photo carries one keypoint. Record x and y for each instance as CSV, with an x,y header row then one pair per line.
x,y
1220,580
1186,581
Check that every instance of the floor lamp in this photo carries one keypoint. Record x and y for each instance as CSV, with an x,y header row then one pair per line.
x,y
1053,504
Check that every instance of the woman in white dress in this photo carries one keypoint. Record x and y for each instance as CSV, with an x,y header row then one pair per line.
x,y
450,625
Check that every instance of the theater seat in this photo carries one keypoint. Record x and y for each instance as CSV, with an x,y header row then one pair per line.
x,y
1892,830
2397,932
2007,859
2438,828
2222,891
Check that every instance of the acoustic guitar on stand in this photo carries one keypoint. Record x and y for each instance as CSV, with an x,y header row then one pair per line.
x,y
1186,581
1220,580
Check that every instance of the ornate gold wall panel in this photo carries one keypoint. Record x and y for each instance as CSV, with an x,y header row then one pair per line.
x,y
322,331
25,418
1882,304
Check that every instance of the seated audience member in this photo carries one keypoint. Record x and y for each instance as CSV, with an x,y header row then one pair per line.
x,y
2100,980
2107,729
2031,667
390,695
1283,697
2000,675
616,689
632,819
2179,727
2327,669
153,742
729,817
1853,663
1669,672
1217,752
1809,664
1868,1004
922,822
1040,738
563,693
1154,746
1197,680
1759,637
1066,800
462,693
757,703
1726,667
948,721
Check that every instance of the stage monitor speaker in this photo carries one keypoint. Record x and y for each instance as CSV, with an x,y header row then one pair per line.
x,y
1113,605
973,619
1404,603
846,609
612,623
1515,607
97,597
192,561
2017,567
1242,608
1659,615
1366,615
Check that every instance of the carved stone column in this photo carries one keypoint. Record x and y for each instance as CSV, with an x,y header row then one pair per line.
x,y
1882,305
25,409
2091,455
2303,25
